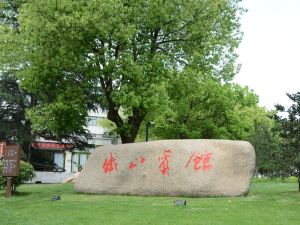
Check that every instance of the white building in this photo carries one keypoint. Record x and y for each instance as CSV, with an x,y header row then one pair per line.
x,y
53,162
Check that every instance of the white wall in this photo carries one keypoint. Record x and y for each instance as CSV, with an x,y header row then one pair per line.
x,y
50,177
68,161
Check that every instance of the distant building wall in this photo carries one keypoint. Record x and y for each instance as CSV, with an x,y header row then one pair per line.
x,y
71,160
49,177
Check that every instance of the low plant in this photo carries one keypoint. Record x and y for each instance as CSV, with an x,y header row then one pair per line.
x,y
26,174
291,179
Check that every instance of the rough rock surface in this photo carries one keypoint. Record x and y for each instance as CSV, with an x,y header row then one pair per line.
x,y
71,179
170,168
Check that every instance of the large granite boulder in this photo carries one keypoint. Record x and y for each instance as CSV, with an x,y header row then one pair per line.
x,y
170,168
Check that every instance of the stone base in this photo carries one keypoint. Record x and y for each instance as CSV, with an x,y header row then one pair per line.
x,y
170,168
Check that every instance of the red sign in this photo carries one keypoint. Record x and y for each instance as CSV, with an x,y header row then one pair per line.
x,y
2,149
51,145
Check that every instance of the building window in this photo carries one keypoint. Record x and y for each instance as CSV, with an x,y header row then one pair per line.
x,y
48,160
78,160
92,121
59,161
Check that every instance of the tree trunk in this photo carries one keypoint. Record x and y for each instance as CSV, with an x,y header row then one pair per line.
x,y
132,128
27,138
128,138
128,131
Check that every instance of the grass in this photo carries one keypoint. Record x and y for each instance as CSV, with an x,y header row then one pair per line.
x,y
268,203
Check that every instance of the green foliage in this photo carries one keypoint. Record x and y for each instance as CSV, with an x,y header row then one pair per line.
x,y
205,107
119,54
2,179
26,174
291,179
15,127
289,128
266,141
12,102
9,12
17,104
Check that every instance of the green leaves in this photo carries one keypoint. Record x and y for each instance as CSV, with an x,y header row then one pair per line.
x,y
289,128
120,54
204,107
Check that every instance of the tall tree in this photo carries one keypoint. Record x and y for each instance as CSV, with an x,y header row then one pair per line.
x,y
210,108
290,132
120,54
14,101
266,142
15,127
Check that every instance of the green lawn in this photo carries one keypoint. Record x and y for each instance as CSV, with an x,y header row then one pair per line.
x,y
268,203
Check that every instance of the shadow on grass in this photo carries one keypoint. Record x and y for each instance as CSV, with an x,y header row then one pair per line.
x,y
18,193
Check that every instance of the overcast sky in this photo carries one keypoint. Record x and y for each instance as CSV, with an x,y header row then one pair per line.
x,y
269,52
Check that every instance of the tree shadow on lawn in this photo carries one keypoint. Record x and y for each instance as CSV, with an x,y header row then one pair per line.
x,y
18,193
283,195
23,193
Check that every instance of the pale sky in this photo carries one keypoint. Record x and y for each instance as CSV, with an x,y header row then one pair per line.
x,y
269,52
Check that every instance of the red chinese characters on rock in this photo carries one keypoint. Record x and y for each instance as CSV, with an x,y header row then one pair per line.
x,y
198,160
164,162
110,164
201,161
133,165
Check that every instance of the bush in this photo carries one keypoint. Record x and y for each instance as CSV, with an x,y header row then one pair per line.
x,y
290,179
26,174
2,179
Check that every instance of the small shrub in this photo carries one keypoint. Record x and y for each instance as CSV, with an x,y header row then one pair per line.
x,y
2,179
290,179
26,174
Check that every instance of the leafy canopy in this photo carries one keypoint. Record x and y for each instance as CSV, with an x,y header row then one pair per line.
x,y
120,54
290,133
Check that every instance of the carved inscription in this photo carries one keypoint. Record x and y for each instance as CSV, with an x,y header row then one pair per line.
x,y
197,160
110,164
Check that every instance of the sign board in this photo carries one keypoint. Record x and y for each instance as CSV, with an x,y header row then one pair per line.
x,y
11,162
51,146
2,149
